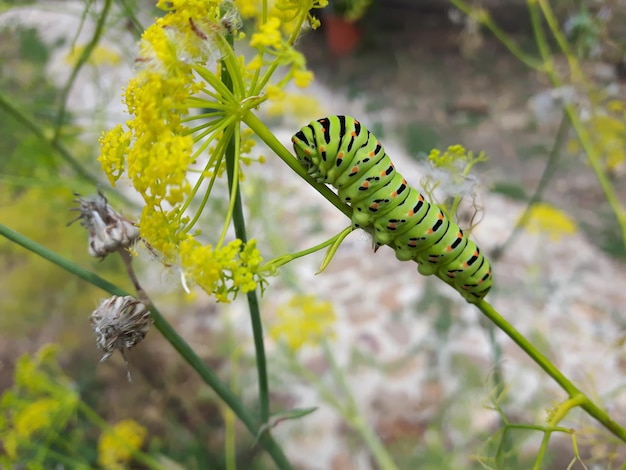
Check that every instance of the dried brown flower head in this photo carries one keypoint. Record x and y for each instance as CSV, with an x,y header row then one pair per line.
x,y
120,323
108,230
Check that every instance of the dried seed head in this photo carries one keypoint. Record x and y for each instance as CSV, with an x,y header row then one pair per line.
x,y
108,230
120,323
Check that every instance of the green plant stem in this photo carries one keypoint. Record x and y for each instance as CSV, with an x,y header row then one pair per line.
x,y
546,177
542,361
54,144
349,412
274,144
170,334
240,231
592,152
557,416
352,414
82,60
483,17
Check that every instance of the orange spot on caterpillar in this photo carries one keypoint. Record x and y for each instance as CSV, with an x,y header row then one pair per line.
x,y
449,248
374,205
421,198
322,148
355,169
353,133
365,185
340,155
391,226
371,154
440,216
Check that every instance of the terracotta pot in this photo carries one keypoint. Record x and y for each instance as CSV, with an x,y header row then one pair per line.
x,y
342,36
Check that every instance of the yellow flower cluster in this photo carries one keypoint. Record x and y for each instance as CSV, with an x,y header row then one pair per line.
x,y
304,320
222,271
99,56
545,218
188,99
455,159
117,444
608,131
38,407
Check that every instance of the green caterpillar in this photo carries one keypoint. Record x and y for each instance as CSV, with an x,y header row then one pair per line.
x,y
338,150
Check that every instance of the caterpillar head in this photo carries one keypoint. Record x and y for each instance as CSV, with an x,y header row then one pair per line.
x,y
307,153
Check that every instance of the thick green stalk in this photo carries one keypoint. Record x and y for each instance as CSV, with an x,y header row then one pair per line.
x,y
240,231
274,144
542,361
170,334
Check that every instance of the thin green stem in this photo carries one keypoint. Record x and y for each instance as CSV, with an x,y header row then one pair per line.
x,y
276,263
234,137
31,125
170,334
542,361
592,152
356,419
555,29
546,177
279,149
483,17
232,166
82,60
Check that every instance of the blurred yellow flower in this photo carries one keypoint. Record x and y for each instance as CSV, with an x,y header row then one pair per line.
x,y
100,55
302,78
268,36
545,218
303,320
116,445
36,416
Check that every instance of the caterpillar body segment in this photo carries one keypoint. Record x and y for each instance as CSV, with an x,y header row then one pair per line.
x,y
338,150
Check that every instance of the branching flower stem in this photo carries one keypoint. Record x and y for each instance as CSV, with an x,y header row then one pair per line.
x,y
232,170
55,144
586,403
82,60
169,333
578,397
546,178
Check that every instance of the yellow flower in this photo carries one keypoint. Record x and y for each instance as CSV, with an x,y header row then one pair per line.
x,y
304,320
100,55
221,271
299,105
268,36
116,445
302,78
545,218
36,416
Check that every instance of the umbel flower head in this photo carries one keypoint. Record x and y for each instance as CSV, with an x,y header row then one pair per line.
x,y
120,323
108,230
